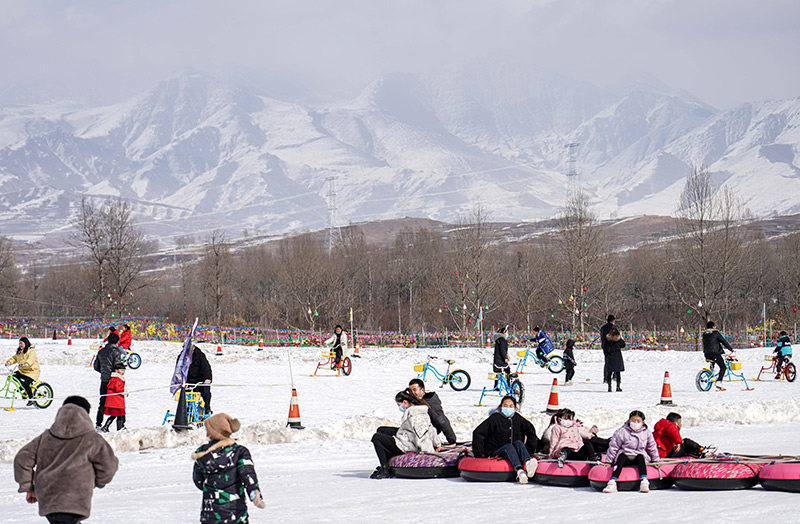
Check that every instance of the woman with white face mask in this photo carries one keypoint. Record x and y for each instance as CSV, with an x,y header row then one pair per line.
x,y
632,445
570,440
507,434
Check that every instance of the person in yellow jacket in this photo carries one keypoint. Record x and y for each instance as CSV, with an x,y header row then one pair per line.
x,y
28,371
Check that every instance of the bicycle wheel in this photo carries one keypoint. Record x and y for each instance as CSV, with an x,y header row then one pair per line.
x,y
134,360
703,380
518,391
459,380
346,366
43,395
555,364
790,372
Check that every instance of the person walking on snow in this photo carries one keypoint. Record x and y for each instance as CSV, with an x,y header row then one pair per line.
x,y
28,367
224,471
339,343
115,399
614,360
569,362
105,363
604,331
60,468
713,343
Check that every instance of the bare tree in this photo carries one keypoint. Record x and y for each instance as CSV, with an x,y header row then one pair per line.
x,y
215,271
9,276
708,257
305,279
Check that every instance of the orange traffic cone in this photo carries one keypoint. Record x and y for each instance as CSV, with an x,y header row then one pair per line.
x,y
355,352
69,340
219,350
666,391
261,344
294,412
552,402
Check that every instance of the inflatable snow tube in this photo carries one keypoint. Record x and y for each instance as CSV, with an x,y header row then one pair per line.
x,y
426,465
659,477
784,476
572,475
487,470
712,476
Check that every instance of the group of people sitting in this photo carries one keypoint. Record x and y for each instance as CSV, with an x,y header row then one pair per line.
x,y
507,434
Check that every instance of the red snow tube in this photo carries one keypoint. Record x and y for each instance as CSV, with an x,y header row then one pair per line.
x,y
659,477
722,475
487,470
784,476
572,475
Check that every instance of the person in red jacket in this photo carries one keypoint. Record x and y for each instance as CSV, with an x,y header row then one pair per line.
x,y
115,401
667,433
125,338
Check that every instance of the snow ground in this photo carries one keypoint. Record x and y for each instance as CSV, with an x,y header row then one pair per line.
x,y
334,457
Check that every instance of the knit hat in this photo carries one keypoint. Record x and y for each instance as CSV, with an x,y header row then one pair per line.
x,y
220,426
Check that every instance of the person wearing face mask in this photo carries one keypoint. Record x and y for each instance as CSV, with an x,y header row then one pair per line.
x,y
507,434
632,445
571,441
416,433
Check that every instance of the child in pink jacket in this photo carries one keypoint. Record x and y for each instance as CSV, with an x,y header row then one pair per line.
x,y
570,440
632,445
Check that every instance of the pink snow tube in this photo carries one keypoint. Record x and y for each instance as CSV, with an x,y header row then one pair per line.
x,y
572,475
628,480
783,476
487,470
721,475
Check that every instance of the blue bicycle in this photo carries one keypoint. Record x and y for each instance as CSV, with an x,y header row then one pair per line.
x,y
458,379
553,363
706,377
505,384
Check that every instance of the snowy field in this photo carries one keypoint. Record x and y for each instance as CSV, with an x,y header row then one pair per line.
x,y
321,474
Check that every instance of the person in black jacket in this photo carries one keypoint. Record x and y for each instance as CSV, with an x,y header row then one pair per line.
x,y
508,434
107,360
712,349
200,373
438,418
569,362
604,331
500,362
614,360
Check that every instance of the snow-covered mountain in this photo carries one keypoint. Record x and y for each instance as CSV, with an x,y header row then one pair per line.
x,y
197,153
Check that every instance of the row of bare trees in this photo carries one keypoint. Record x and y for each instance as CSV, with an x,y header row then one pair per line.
x,y
469,281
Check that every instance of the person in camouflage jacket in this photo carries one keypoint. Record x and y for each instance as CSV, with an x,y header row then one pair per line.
x,y
224,471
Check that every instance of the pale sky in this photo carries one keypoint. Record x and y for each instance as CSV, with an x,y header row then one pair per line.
x,y
726,52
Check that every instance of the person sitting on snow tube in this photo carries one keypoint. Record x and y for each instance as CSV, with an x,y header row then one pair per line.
x,y
439,420
507,434
416,433
667,433
783,351
632,444
571,441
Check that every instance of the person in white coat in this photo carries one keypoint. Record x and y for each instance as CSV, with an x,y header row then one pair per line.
x,y
339,344
416,433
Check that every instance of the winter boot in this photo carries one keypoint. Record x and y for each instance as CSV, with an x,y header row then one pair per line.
x,y
375,473
618,388
562,458
644,487
107,425
384,473
530,467
611,487
522,476
609,387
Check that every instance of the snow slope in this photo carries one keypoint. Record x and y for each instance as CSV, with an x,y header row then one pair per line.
x,y
321,473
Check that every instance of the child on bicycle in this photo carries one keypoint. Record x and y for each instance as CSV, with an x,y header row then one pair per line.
x,y
508,434
571,441
224,471
28,367
544,346
783,352
631,445
115,399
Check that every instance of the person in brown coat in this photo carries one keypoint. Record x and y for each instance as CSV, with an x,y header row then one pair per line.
x,y
60,468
